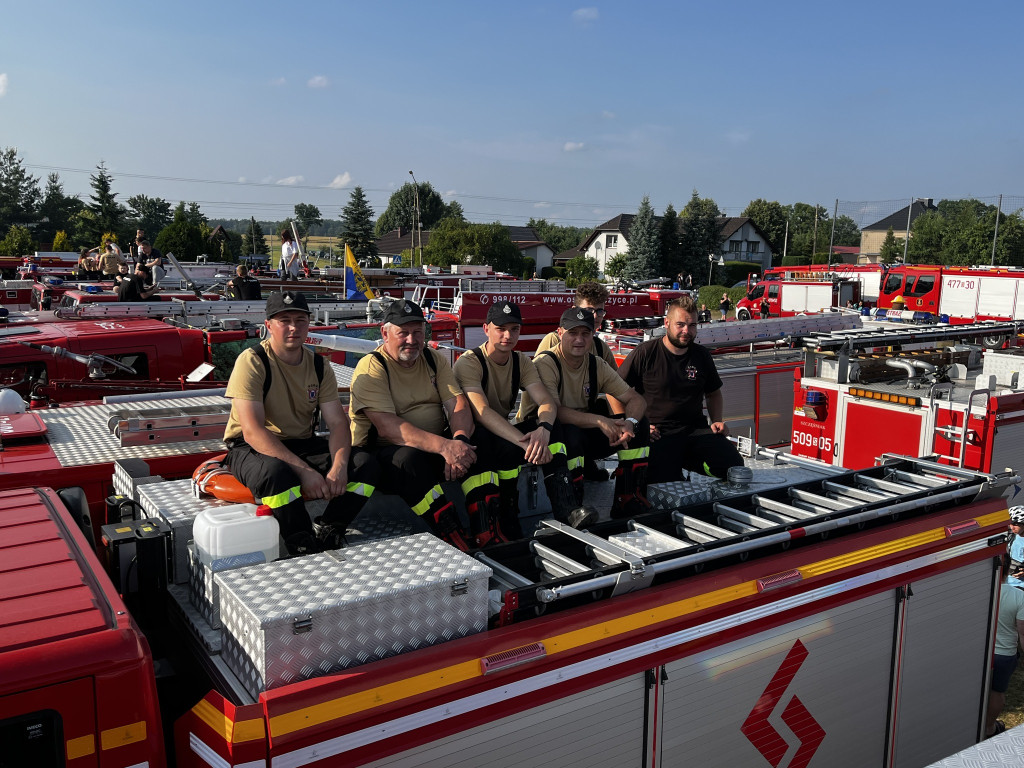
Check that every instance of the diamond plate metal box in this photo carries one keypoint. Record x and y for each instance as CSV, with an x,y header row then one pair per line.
x,y
173,501
203,589
316,615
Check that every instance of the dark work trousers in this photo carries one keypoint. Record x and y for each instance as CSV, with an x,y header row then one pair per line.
x,y
509,459
417,475
700,451
276,484
631,475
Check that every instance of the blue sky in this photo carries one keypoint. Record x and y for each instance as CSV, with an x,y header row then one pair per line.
x,y
560,110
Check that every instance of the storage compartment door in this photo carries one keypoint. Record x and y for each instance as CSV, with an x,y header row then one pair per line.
x,y
775,408
812,692
996,297
739,407
873,429
944,663
603,727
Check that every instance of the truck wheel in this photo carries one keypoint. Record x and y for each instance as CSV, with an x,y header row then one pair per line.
x,y
742,314
993,342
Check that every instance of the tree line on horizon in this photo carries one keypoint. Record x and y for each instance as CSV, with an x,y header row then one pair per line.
x,y
955,232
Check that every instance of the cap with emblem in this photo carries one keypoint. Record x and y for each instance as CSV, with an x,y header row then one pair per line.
x,y
286,301
504,312
403,311
577,317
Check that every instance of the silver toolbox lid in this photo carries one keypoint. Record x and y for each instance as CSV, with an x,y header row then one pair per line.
x,y
370,573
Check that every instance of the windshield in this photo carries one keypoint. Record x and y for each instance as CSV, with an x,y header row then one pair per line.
x,y
757,292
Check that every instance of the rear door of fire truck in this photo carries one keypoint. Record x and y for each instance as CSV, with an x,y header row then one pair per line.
x,y
997,297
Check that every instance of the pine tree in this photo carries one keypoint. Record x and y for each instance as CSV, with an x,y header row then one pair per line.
x,y
254,235
671,248
892,248
109,214
644,247
701,233
357,226
19,192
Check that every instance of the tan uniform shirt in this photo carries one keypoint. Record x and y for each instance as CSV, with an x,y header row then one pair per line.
x,y
469,374
294,393
110,261
551,341
575,391
414,394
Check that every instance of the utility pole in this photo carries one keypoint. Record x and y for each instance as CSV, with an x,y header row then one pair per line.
x,y
999,211
832,239
416,217
906,240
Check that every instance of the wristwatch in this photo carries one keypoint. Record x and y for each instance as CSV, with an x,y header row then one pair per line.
x,y
545,425
634,422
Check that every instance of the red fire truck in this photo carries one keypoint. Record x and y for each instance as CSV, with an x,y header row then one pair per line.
x,y
787,298
963,294
922,391
868,275
798,625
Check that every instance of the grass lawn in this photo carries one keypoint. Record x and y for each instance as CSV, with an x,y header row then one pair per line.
x,y
1013,712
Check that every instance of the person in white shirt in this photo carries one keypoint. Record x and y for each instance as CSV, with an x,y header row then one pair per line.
x,y
290,261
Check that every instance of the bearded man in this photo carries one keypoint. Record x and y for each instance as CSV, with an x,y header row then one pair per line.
x,y
676,377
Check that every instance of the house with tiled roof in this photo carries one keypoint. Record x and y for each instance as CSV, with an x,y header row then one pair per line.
x,y
741,238
873,235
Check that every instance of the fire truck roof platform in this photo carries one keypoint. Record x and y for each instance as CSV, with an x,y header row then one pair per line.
x,y
703,524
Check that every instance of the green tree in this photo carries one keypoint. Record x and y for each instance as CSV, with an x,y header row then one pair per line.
x,y
107,212
183,236
644,248
927,235
150,214
307,216
61,242
892,248
18,242
671,247
846,232
560,238
616,264
452,242
19,192
254,235
357,228
770,218
580,269
402,208
808,230
701,233
56,209
455,212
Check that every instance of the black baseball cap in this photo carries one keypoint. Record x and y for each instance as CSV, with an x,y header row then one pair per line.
x,y
279,301
403,311
503,313
577,317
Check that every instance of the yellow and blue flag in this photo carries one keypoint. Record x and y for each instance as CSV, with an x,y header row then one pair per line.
x,y
355,284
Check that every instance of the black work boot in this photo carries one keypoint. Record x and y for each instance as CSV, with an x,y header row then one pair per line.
x,y
508,510
630,490
328,535
565,504
302,543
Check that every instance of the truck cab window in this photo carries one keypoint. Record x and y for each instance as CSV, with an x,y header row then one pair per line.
x,y
893,283
924,284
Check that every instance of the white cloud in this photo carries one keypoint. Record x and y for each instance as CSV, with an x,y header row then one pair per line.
x,y
277,81
608,115
318,82
267,180
449,193
585,15
291,181
242,179
341,180
738,137
573,146
542,205
3,83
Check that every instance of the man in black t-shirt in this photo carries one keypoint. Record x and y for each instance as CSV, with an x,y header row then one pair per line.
x,y
135,288
676,376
